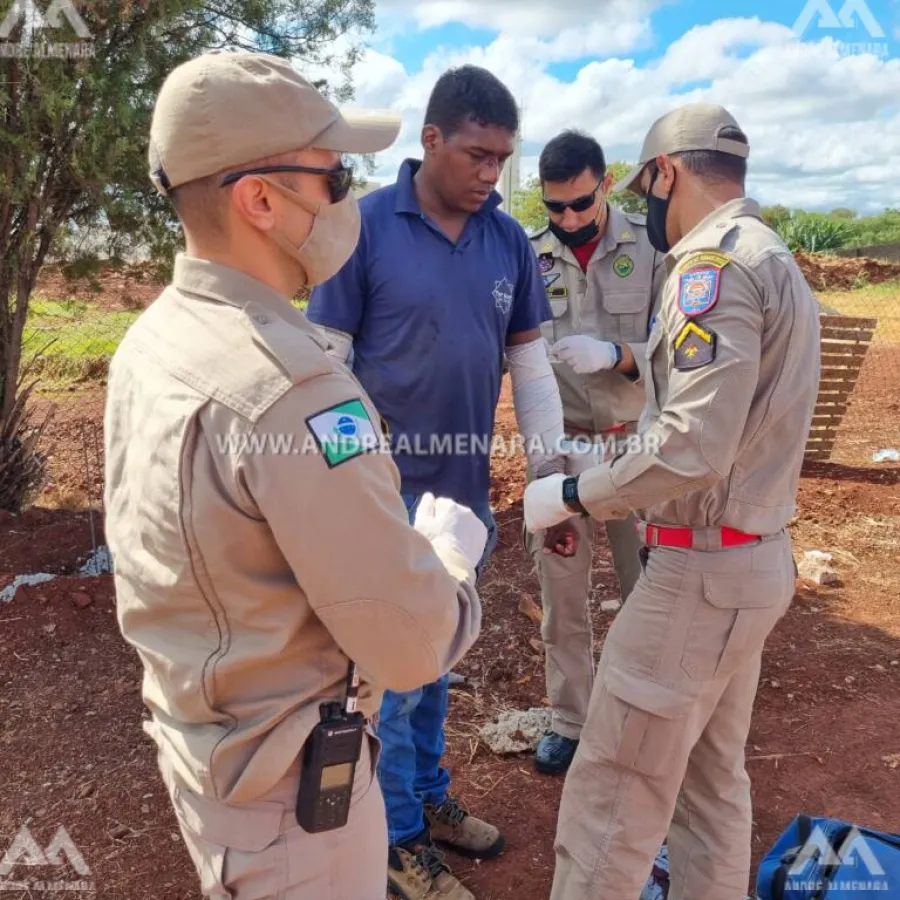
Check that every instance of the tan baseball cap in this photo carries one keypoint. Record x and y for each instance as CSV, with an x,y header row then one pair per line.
x,y
222,110
696,126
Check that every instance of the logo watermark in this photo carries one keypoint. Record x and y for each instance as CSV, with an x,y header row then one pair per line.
x,y
60,854
853,15
457,444
59,15
855,857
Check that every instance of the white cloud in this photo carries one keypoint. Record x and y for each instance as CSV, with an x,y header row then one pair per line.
x,y
824,128
609,21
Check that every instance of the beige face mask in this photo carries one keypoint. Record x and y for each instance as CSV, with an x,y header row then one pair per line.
x,y
334,235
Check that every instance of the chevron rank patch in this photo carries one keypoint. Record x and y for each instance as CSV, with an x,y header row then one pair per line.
x,y
695,347
698,289
343,432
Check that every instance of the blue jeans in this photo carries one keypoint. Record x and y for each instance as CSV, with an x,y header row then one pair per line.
x,y
411,730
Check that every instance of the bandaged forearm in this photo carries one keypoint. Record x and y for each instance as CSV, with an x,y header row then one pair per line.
x,y
340,344
539,412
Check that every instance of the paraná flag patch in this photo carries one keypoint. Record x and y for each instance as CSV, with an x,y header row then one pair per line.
x,y
701,275
343,432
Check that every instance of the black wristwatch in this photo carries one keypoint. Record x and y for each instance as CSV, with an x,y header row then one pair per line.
x,y
570,496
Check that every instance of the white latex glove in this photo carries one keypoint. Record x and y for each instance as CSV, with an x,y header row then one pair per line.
x,y
544,505
585,354
446,522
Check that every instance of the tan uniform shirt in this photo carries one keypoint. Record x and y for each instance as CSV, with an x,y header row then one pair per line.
x,y
723,440
248,568
612,301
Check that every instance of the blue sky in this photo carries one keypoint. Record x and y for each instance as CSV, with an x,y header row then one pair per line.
x,y
820,106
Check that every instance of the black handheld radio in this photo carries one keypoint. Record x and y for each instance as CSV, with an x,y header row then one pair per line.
x,y
330,755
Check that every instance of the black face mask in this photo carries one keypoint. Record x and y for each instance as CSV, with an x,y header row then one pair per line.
x,y
576,238
657,212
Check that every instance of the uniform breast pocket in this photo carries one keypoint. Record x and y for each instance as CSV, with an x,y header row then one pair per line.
x,y
554,329
627,313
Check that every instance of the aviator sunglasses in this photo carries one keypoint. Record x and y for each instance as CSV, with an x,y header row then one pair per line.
x,y
579,204
340,178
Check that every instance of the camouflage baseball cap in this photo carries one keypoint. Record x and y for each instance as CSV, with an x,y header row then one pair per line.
x,y
222,110
696,126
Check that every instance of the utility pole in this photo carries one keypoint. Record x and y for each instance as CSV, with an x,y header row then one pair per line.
x,y
510,178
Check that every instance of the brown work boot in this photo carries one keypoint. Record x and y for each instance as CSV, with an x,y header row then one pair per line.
x,y
416,871
452,825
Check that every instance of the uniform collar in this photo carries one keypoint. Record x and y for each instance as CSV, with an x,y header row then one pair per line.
x,y
224,284
407,202
618,230
711,231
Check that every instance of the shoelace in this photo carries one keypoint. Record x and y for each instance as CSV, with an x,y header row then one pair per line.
x,y
431,861
454,811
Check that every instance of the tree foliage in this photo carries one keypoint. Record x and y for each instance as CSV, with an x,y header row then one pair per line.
x,y
74,129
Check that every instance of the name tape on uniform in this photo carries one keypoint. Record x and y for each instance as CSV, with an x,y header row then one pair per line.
x,y
701,276
695,347
343,432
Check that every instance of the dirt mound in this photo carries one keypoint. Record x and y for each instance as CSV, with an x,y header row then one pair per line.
x,y
834,273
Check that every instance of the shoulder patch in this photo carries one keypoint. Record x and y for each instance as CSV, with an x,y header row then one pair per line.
x,y
545,261
699,282
343,432
694,347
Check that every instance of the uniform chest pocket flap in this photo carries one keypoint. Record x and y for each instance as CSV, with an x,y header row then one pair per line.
x,y
559,306
626,302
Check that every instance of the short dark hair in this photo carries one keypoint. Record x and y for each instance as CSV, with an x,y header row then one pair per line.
x,y
716,166
471,93
568,155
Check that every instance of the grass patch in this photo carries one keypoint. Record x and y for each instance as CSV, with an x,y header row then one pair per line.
x,y
75,339
876,301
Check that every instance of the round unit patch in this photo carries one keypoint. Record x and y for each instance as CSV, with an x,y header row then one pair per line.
x,y
623,265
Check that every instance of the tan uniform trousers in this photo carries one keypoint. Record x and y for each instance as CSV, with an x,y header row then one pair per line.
x,y
567,630
662,750
257,851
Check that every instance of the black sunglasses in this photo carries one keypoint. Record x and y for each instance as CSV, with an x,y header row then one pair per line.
x,y
340,179
580,204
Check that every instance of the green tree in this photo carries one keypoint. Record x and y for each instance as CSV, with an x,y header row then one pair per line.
x,y
626,200
74,131
842,212
528,207
773,216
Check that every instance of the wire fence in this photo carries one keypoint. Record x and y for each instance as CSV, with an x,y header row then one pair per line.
x,y
75,333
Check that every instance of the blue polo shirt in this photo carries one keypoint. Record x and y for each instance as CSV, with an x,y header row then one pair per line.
x,y
430,321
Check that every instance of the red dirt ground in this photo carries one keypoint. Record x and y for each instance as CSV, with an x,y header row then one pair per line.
x,y
825,738
826,718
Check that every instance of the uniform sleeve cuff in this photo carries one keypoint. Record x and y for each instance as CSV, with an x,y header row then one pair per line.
x,y
598,495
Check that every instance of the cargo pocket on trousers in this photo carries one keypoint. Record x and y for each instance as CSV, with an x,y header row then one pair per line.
x,y
731,621
222,839
641,722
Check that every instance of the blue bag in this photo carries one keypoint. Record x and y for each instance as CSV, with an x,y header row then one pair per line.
x,y
829,859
